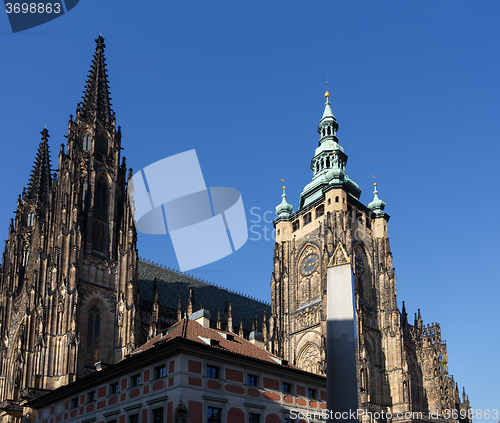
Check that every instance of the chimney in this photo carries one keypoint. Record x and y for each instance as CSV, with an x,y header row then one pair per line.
x,y
257,339
201,316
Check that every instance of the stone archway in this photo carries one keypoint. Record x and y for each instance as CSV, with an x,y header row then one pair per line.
x,y
309,358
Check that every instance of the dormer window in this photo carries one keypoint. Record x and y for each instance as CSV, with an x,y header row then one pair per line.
x,y
87,142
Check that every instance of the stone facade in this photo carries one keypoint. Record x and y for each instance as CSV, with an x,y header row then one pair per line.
x,y
401,367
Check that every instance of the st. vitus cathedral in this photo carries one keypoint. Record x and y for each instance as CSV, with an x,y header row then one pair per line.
x,y
401,366
68,290
74,294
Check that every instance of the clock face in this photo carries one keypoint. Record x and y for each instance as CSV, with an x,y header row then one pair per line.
x,y
359,265
309,265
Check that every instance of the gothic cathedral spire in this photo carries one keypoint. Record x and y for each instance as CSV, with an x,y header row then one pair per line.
x,y
95,109
41,180
68,281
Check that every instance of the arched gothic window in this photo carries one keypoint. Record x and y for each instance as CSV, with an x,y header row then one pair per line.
x,y
102,144
93,335
100,215
31,218
85,189
101,199
26,255
87,142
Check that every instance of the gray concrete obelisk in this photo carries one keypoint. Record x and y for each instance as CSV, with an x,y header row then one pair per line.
x,y
341,377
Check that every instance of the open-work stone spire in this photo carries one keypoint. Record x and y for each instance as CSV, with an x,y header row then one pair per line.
x,y
96,104
40,180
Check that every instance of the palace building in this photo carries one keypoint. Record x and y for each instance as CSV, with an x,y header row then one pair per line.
x,y
75,297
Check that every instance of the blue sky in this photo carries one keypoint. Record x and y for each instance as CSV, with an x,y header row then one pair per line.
x,y
415,90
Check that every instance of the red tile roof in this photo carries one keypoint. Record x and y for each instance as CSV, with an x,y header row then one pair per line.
x,y
193,331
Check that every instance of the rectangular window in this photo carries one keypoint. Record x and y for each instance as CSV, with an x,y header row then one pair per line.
x,y
213,415
91,396
307,219
212,371
160,371
134,418
114,388
311,393
320,211
295,225
254,418
74,402
136,379
286,388
158,415
252,380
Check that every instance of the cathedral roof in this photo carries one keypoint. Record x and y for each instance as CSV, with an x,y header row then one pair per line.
x,y
172,285
40,180
96,104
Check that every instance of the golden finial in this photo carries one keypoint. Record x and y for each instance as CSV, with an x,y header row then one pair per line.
x,y
282,180
284,187
374,184
327,94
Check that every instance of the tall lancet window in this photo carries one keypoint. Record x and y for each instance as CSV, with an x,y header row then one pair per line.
x,y
87,142
85,189
100,215
31,218
101,199
93,336
102,144
26,255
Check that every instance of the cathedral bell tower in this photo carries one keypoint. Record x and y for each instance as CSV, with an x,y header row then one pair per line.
x,y
400,367
68,282
330,213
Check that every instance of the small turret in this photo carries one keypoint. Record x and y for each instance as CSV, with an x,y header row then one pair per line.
x,y
179,310
264,327
153,324
240,332
190,301
404,315
219,322
284,209
40,180
377,205
230,317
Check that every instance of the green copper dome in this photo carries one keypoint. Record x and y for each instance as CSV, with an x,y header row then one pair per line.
x,y
284,209
377,205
